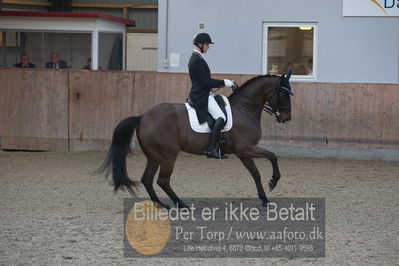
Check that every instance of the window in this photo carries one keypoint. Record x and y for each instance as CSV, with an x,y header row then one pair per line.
x,y
290,46
72,48
110,51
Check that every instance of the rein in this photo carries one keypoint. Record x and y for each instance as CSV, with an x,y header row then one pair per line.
x,y
265,107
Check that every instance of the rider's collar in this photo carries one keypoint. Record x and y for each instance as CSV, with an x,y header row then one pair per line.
x,y
198,52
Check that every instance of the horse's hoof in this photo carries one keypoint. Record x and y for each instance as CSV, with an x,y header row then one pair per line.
x,y
272,184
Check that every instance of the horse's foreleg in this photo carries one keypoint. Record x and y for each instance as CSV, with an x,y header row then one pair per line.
x,y
276,172
257,152
250,165
164,181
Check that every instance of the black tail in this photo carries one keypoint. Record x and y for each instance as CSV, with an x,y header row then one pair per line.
x,y
116,157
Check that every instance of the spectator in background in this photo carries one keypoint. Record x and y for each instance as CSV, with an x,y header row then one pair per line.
x,y
289,66
55,63
88,64
300,70
25,62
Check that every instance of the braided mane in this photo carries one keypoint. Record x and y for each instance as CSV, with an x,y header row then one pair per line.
x,y
243,86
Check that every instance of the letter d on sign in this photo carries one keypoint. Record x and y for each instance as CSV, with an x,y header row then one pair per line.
x,y
386,3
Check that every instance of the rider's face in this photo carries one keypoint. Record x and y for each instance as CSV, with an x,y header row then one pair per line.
x,y
205,47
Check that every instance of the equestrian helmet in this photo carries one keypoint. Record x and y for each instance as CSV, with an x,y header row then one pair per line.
x,y
202,38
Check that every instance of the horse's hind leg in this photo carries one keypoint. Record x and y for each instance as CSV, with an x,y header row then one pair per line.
x,y
148,178
250,165
164,181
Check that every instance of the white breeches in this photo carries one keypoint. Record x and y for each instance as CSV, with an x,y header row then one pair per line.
x,y
214,109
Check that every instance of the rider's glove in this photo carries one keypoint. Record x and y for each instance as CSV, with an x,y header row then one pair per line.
x,y
228,83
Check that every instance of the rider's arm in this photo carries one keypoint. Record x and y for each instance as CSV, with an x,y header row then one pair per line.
x,y
204,78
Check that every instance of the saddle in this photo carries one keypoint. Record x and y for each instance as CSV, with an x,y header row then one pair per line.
x,y
211,121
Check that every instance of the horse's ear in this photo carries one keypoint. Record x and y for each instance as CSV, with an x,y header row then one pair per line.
x,y
289,74
283,84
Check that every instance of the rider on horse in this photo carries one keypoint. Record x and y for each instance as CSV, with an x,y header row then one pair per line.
x,y
201,95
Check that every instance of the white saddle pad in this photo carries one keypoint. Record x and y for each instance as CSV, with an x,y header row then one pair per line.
x,y
204,128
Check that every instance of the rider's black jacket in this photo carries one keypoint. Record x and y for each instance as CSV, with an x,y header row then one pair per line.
x,y
202,83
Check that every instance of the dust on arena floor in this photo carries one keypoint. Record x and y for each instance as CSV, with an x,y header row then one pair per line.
x,y
55,211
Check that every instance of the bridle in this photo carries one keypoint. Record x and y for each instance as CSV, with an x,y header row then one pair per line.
x,y
267,107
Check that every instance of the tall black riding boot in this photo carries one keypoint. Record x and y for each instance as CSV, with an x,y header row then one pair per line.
x,y
213,151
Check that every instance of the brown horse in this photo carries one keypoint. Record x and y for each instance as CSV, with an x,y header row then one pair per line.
x,y
164,130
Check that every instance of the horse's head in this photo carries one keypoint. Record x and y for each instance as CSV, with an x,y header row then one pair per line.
x,y
282,108
268,93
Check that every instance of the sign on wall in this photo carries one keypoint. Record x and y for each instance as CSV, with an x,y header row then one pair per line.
x,y
388,8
